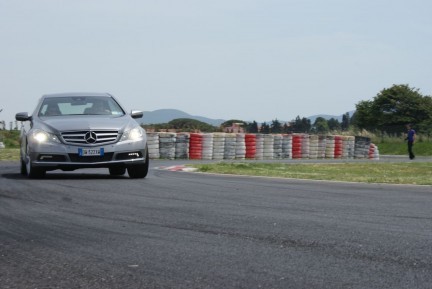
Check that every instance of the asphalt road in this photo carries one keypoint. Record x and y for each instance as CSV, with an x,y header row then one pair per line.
x,y
84,229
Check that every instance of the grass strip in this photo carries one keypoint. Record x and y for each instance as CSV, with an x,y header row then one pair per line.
x,y
9,154
389,173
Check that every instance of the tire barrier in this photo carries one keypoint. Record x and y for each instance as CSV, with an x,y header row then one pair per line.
x,y
240,146
296,146
167,145
305,150
182,146
330,147
361,147
373,152
195,146
218,146
251,148
230,146
268,147
287,146
313,146
348,147
338,149
153,145
207,146
277,146
240,149
259,144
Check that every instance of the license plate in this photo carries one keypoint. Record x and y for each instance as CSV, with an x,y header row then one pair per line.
x,y
90,152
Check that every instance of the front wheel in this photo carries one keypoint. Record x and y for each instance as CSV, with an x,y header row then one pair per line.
x,y
23,169
117,171
139,171
34,172
31,171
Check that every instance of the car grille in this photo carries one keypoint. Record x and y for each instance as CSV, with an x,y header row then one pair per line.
x,y
87,137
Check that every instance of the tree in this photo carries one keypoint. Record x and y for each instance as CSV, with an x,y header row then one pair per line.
x,y
252,127
276,126
345,122
320,125
301,125
187,124
334,124
265,128
231,121
393,108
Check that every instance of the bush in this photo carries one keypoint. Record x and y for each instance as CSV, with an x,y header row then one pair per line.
x,y
10,138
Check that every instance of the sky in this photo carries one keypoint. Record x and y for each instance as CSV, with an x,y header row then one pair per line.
x,y
225,59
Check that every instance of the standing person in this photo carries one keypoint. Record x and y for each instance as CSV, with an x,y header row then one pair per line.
x,y
411,139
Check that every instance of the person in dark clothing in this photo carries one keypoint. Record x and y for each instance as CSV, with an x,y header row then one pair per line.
x,y
411,135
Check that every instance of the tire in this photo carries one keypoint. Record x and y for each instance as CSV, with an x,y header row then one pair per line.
x,y
117,171
31,171
23,169
34,172
139,171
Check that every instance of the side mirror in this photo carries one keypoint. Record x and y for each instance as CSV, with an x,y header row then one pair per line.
x,y
136,114
22,116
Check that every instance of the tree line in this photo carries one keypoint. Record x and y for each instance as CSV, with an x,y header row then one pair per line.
x,y
388,112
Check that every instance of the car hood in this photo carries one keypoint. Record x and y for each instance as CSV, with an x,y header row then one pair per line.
x,y
75,123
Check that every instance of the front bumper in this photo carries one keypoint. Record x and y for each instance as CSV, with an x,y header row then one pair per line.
x,y
53,156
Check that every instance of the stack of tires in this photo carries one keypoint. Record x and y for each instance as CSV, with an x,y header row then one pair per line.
x,y
297,146
218,146
195,146
348,147
153,145
277,146
338,147
373,152
240,151
230,146
182,146
250,141
268,152
167,143
305,146
313,146
207,146
322,144
287,146
259,144
330,147
361,147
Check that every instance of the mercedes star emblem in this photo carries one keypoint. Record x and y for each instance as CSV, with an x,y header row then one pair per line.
x,y
90,137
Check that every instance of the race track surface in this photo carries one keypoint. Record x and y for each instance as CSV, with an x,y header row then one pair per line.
x,y
85,229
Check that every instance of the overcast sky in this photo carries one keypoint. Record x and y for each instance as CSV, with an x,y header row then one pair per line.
x,y
230,59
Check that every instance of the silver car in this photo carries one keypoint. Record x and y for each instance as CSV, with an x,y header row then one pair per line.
x,y
82,130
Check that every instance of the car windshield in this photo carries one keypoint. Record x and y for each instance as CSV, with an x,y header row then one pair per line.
x,y
82,105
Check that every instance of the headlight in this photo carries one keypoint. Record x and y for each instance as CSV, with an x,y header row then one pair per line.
x,y
41,136
133,134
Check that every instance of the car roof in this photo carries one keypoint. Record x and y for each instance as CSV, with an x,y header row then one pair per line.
x,y
78,94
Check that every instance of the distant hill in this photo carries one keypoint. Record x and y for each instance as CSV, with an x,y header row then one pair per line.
x,y
327,117
167,115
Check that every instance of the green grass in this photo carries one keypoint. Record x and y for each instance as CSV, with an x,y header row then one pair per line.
x,y
10,138
370,172
400,148
9,154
